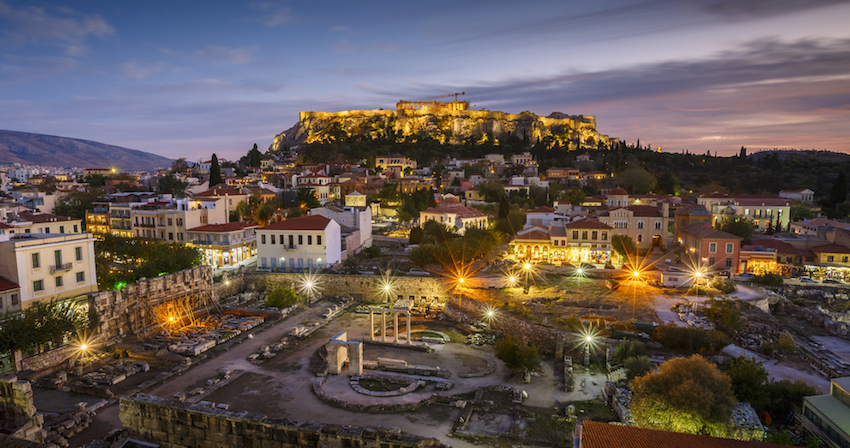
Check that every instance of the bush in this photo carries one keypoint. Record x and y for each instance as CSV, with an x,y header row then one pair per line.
x,y
725,286
515,355
636,366
690,339
629,349
768,280
725,315
282,298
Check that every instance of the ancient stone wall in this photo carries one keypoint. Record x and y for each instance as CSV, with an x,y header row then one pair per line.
x,y
423,290
18,416
51,361
452,126
131,311
178,425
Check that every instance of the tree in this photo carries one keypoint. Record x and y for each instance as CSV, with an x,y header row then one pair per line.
x,y
799,212
253,158
215,172
516,355
636,366
838,193
179,166
637,180
575,196
307,198
170,184
624,246
749,381
686,395
264,214
282,298
739,226
242,210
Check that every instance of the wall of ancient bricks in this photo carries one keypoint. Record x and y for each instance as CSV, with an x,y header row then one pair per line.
x,y
130,311
178,425
422,289
18,416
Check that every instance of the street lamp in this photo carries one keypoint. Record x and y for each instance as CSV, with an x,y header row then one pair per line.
x,y
528,270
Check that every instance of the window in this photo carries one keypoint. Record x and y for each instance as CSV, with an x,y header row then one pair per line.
x,y
712,247
57,257
75,228
58,281
730,248
640,238
657,225
170,221
291,243
78,253
263,262
171,236
605,236
81,277
36,263
830,258
319,241
47,230
711,261
38,286
844,259
162,234
179,221
272,238
15,299
263,239
61,229
594,235
575,234
309,239
300,239
683,224
640,224
728,263
584,234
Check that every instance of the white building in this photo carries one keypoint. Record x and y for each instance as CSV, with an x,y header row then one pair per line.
x,y
451,213
225,245
804,195
305,242
355,225
49,266
10,296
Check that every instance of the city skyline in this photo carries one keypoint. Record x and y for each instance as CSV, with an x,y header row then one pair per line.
x,y
178,81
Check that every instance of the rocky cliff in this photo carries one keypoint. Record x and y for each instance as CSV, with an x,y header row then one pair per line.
x,y
451,127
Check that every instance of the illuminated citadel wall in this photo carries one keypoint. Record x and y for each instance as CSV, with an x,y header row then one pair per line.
x,y
449,125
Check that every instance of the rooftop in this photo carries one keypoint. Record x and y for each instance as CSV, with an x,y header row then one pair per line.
x,y
7,285
310,222
704,230
229,227
604,435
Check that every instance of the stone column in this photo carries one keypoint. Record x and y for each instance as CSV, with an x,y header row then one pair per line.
x,y
395,331
383,326
371,324
409,341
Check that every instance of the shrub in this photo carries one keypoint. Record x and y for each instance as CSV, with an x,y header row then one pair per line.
x,y
629,349
282,298
691,339
723,285
725,314
515,355
768,280
637,366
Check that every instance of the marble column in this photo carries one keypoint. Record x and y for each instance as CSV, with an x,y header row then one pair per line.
x,y
395,331
372,324
383,326
409,341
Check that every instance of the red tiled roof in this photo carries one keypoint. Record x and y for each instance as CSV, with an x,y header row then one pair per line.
x,y
453,206
7,285
831,248
587,224
219,191
702,230
604,435
781,246
714,195
691,209
542,209
533,235
229,227
3,225
43,217
618,191
311,222
761,200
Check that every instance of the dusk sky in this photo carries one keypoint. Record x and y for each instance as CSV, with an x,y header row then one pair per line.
x,y
186,79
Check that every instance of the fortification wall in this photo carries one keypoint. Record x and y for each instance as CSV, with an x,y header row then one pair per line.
x,y
423,289
130,311
179,425
18,416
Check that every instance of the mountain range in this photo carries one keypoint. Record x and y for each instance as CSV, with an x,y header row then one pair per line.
x,y
51,150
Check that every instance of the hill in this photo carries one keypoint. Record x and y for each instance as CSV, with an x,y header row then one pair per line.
x,y
51,150
443,125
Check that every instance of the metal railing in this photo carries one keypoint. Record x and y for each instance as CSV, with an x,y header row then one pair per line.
x,y
61,267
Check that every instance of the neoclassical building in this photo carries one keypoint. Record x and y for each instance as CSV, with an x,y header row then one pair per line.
x,y
576,242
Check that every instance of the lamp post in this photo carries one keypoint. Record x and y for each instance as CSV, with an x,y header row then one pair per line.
x,y
588,340
527,270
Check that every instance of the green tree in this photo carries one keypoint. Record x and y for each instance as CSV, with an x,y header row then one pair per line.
x,y
738,226
75,203
307,199
575,196
170,184
282,298
215,172
799,212
264,214
515,355
242,210
637,180
838,193
686,395
253,158
749,381
624,246
636,366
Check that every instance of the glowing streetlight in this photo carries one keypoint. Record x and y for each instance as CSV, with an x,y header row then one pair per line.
x,y
84,347
490,314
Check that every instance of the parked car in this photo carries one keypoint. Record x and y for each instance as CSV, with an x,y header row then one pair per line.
x,y
807,280
419,272
831,281
748,275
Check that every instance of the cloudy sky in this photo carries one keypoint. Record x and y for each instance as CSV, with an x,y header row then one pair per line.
x,y
185,79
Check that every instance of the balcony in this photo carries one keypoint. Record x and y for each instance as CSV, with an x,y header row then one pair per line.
x,y
61,267
290,247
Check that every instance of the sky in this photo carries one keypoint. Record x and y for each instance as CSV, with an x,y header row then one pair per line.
x,y
186,79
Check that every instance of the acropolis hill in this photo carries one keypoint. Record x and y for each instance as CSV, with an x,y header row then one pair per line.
x,y
448,122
